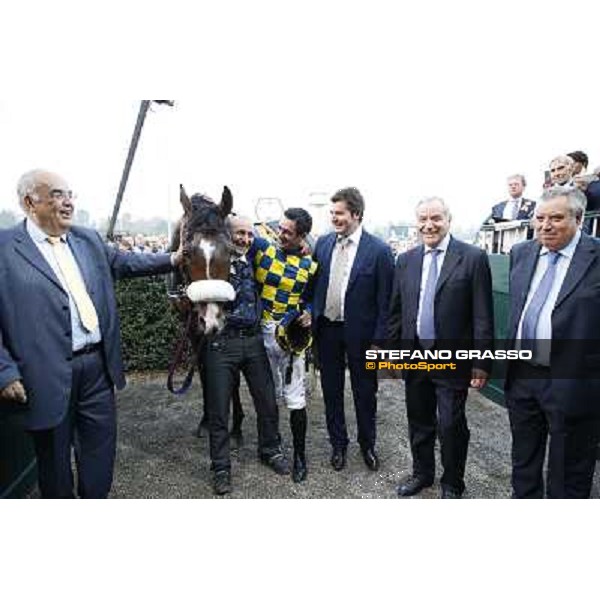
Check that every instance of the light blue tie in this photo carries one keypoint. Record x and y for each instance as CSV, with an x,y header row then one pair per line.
x,y
534,309
427,325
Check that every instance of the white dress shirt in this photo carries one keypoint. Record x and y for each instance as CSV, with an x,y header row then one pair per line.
x,y
511,208
443,246
543,330
80,336
351,249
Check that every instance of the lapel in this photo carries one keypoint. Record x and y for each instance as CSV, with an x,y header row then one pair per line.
x,y
584,255
83,258
453,258
361,253
522,283
328,245
414,270
26,247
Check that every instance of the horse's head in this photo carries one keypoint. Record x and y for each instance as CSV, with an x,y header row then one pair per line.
x,y
206,255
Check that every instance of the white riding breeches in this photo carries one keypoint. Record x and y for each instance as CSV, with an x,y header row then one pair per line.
x,y
293,393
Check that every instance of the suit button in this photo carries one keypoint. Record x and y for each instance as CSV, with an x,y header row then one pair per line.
x,y
66,307
69,358
67,334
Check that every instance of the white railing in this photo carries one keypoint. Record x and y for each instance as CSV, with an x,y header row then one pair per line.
x,y
499,238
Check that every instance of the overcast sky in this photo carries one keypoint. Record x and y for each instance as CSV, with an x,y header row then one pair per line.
x,y
433,100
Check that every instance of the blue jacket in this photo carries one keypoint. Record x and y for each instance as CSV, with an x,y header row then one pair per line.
x,y
575,348
35,323
369,288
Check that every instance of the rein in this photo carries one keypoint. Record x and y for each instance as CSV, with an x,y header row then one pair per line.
x,y
183,351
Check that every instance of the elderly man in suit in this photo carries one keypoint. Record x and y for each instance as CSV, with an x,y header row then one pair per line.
x,y
516,207
554,399
350,310
442,294
60,349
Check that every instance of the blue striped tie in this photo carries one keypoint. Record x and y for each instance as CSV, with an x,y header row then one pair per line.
x,y
427,325
534,309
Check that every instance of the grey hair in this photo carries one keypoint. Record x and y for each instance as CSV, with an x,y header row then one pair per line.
x,y
518,176
435,199
563,159
575,197
27,184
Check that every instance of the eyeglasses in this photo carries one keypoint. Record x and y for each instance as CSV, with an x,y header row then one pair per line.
x,y
62,194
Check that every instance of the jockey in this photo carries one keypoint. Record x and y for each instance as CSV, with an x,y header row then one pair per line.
x,y
283,272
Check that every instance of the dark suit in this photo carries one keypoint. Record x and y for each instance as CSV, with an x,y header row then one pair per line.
x,y
561,402
365,319
65,393
463,311
526,210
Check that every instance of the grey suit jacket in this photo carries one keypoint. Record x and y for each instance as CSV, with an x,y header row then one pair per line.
x,y
35,323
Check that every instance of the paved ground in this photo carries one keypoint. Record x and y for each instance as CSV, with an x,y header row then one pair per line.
x,y
160,457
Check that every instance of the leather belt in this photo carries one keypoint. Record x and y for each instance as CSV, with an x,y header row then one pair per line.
x,y
242,332
89,349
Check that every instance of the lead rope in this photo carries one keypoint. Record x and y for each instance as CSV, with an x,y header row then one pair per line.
x,y
183,346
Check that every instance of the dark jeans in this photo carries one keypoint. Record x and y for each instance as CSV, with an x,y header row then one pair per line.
x,y
89,427
333,353
225,356
432,408
572,441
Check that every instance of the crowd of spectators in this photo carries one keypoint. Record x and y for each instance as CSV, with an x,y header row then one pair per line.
x,y
142,244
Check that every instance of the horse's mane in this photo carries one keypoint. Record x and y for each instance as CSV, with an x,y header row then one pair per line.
x,y
206,217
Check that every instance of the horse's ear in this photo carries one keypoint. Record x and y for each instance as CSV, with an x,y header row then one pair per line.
x,y
185,201
226,202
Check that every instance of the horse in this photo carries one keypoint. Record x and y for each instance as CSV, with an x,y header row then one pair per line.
x,y
201,285
204,273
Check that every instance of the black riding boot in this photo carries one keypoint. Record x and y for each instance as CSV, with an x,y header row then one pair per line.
x,y
298,426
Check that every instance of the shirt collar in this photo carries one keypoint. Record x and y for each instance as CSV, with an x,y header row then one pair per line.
x,y
569,249
442,246
37,234
355,236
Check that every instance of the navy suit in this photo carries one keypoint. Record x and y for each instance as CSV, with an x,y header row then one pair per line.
x,y
365,320
65,393
562,401
526,210
463,315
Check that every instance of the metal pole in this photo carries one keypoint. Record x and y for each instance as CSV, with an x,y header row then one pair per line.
x,y
145,104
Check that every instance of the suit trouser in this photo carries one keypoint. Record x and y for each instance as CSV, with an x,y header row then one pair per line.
x,y
89,427
333,350
225,356
433,408
571,442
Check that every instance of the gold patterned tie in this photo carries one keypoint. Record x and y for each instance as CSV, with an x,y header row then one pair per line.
x,y
75,284
333,301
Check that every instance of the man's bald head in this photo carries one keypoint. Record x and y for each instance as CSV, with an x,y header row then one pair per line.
x,y
47,199
242,232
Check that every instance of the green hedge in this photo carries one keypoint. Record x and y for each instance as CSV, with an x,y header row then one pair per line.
x,y
149,326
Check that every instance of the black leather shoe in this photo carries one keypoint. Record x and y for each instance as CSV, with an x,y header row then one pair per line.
x,y
413,485
451,494
371,459
222,483
299,471
278,462
338,458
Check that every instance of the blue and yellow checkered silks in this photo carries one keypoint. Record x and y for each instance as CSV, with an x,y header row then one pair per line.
x,y
282,278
